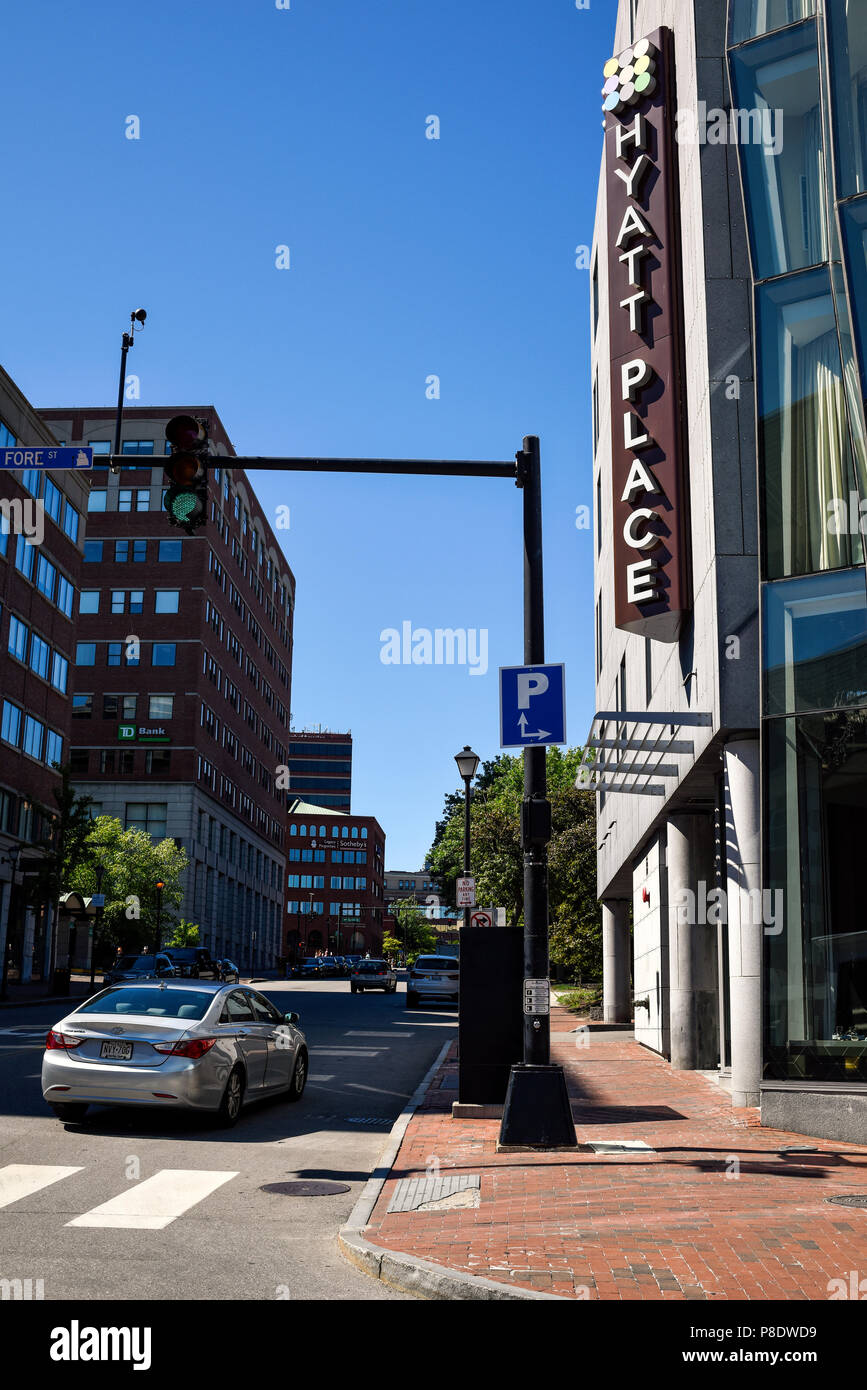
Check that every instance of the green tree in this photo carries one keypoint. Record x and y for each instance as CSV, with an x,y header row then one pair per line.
x,y
133,864
183,933
414,934
497,857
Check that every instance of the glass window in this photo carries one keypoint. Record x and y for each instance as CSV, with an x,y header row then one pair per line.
x,y
53,500
59,672
139,552
128,706
100,446
46,576
17,643
85,653
147,815
53,748
138,446
82,706
40,654
815,642
160,706
113,653
158,761
121,552
34,733
166,600
783,178
118,600
24,556
142,499
10,729
807,464
364,832
847,62
163,654
70,521
93,552
88,601
124,499
136,600
816,947
853,218
749,18
96,499
65,596
169,551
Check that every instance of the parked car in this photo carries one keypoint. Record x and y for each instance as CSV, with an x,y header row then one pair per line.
x,y
311,968
136,968
328,966
194,962
182,1044
228,971
434,976
373,974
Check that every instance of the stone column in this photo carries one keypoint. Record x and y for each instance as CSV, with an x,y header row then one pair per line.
x,y
743,845
616,999
692,943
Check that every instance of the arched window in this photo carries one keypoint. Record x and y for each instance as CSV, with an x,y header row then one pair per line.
x,y
335,830
302,830
364,832
293,829
355,832
322,830
344,833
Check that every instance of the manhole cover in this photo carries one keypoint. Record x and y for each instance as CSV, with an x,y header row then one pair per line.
x,y
306,1188
855,1199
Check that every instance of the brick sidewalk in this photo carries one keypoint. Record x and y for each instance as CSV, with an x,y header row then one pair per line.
x,y
672,1224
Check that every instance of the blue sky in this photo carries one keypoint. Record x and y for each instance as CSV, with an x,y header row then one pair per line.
x,y
409,257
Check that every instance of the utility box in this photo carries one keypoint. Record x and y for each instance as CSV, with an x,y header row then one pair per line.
x,y
491,1019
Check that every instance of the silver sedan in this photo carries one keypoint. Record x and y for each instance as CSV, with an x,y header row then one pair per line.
x,y
189,1045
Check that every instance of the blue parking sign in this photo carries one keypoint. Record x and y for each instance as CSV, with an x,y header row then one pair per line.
x,y
532,705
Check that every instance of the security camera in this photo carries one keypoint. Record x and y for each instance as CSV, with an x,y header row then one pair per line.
x,y
140,314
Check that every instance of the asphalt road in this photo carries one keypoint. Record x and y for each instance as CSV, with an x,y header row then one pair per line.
x,y
230,1240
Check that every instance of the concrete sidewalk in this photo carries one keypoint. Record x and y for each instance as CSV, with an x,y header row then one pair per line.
x,y
711,1209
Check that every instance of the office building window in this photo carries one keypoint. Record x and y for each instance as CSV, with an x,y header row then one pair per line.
x,y
17,642
93,552
100,446
31,479
166,600
113,653
85,653
124,499
34,733
139,552
169,551
96,499
10,728
46,576
52,500
142,499
137,446
750,18
59,672
82,706
158,761
163,654
88,601
24,556
70,521
40,655
79,765
150,816
53,748
160,706
65,596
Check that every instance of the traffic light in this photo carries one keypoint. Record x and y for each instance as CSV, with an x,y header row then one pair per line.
x,y
186,499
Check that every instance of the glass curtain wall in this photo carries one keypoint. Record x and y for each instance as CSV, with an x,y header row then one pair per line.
x,y
805,68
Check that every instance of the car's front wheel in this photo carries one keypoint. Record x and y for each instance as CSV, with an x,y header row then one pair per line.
x,y
299,1077
233,1099
70,1111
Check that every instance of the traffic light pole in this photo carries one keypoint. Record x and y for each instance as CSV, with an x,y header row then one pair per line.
x,y
537,1113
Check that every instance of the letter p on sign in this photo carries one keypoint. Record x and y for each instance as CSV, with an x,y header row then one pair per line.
x,y
530,683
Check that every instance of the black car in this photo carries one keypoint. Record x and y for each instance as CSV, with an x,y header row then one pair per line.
x,y
193,962
229,972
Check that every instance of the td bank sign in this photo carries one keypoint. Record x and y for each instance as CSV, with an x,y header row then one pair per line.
x,y
650,502
143,733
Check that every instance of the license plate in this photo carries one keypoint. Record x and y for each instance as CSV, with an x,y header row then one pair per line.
x,y
117,1051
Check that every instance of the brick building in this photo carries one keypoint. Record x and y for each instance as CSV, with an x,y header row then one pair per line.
x,y
335,896
182,676
320,768
39,580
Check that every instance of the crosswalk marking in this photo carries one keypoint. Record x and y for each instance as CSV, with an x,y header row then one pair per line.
x,y
344,1052
19,1180
365,1033
157,1202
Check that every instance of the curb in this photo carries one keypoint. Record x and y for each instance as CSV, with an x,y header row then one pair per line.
x,y
421,1278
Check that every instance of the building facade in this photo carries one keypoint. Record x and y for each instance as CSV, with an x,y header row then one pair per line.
x,y
320,767
42,517
335,895
182,676
728,276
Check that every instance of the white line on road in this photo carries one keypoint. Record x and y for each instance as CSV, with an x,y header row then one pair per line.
x,y
345,1051
364,1033
377,1090
313,1077
156,1202
19,1180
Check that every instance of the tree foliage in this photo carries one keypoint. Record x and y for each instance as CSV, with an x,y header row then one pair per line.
x,y
497,858
132,864
413,933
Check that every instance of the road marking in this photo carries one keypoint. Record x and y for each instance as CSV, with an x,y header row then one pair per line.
x,y
314,1077
157,1202
19,1180
378,1090
345,1051
364,1033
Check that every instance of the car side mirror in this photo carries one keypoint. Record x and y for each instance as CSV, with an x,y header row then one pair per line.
x,y
292,1017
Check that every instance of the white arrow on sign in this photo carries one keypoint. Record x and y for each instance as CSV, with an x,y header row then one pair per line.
x,y
537,733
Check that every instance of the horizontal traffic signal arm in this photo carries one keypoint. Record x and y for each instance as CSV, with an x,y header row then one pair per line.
x,y
471,468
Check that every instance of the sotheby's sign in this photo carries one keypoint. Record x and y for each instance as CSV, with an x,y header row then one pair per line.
x,y
650,503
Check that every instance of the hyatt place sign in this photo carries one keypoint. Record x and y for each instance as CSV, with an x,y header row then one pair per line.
x,y
651,561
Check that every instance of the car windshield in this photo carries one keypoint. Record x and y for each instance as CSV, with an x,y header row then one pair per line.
x,y
181,953
436,963
134,963
150,1003
375,965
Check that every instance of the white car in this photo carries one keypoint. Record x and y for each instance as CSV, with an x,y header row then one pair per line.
x,y
436,977
181,1044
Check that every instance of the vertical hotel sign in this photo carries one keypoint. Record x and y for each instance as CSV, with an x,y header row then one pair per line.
x,y
651,558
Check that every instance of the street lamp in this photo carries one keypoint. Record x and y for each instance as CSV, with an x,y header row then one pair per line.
x,y
159,885
137,316
468,763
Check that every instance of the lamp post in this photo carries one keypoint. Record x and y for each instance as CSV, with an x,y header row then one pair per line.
x,y
159,885
468,763
137,316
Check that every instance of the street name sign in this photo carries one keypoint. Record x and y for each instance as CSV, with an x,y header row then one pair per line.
x,y
48,456
466,892
532,705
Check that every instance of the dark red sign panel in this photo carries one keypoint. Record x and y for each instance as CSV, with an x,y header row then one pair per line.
x,y
650,502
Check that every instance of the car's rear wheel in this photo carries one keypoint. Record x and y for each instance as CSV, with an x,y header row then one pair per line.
x,y
359,989
299,1077
353,989
233,1099
70,1111
411,1000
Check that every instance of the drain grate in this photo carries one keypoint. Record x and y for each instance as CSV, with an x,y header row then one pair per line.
x,y
366,1119
854,1199
306,1188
